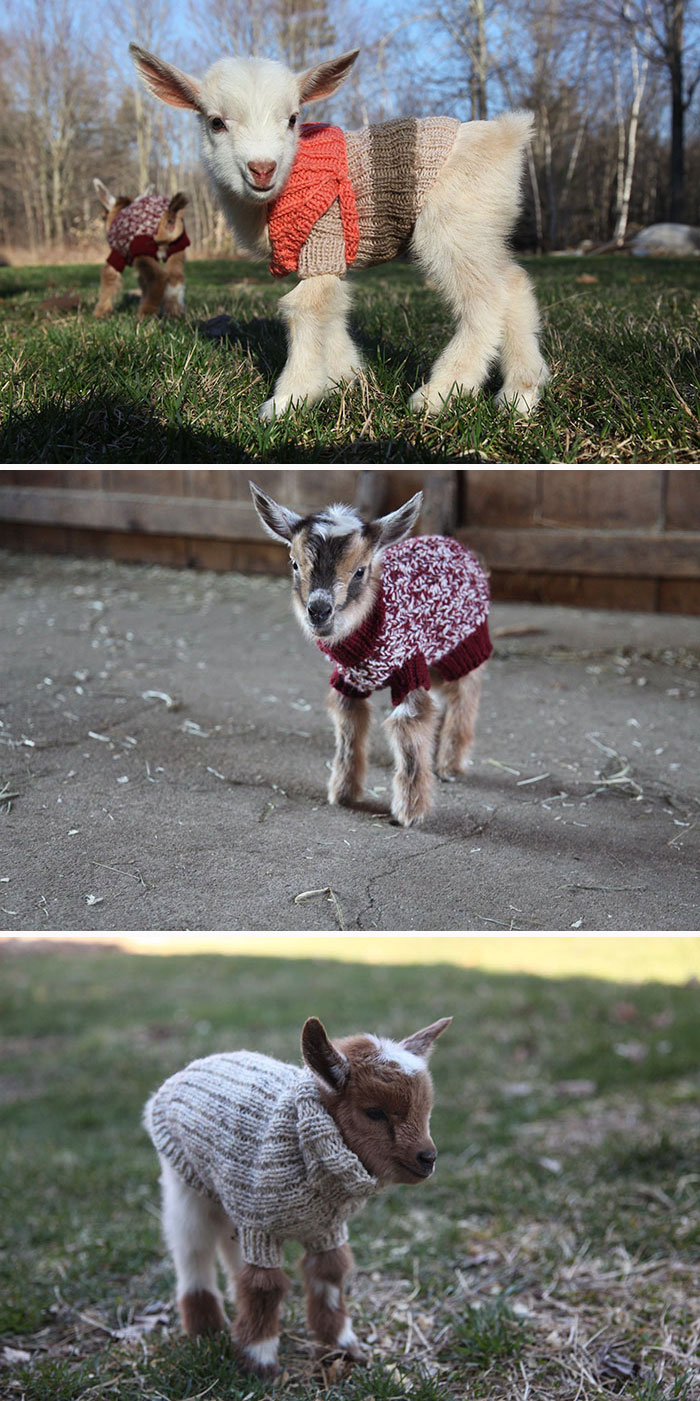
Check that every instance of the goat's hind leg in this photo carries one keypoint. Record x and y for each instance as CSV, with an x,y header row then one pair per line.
x,y
412,728
326,1310
457,730
321,351
351,720
191,1224
524,370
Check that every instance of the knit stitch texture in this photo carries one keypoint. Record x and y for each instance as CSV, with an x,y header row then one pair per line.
x,y
364,207
431,610
319,178
251,1133
132,233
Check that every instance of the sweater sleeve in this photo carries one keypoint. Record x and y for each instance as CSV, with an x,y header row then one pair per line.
x,y
413,674
324,250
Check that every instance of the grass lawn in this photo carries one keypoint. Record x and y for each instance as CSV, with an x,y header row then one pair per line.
x,y
556,1255
620,333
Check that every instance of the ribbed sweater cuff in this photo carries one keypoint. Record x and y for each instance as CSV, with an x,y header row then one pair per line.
x,y
258,1248
467,655
339,683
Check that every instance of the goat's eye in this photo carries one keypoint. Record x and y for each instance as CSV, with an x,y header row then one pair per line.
x,y
217,124
295,566
360,573
293,120
377,1114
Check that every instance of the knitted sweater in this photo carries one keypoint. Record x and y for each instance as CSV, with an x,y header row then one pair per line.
x,y
431,610
251,1133
357,205
133,233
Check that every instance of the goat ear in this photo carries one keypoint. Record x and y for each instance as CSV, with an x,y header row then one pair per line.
x,y
328,1064
421,1042
149,190
325,78
389,530
277,520
170,84
104,195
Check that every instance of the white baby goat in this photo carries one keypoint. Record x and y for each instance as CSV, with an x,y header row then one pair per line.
x,y
461,186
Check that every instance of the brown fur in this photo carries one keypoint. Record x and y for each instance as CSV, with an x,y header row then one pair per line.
x,y
351,720
259,1296
458,723
201,1313
389,1151
330,1267
412,737
110,282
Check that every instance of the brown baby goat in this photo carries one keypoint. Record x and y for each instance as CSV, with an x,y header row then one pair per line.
x,y
254,1152
396,612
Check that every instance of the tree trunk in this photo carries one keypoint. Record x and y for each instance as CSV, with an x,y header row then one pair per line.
x,y
677,210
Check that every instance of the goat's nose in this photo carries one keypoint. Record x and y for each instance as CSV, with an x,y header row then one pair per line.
x,y
319,611
427,1157
262,172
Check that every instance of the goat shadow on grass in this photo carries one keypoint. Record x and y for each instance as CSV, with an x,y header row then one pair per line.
x,y
95,430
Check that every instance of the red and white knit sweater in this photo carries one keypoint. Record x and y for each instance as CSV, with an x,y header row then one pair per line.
x,y
431,610
132,233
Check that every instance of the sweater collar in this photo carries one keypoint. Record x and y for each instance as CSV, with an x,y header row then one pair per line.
x,y
355,649
327,1158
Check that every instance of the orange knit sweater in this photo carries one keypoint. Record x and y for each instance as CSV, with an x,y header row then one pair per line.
x,y
319,176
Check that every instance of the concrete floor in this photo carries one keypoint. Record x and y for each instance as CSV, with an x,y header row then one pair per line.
x,y
165,736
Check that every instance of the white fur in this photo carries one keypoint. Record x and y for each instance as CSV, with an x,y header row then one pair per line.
x,y
460,237
263,1354
174,296
396,1054
192,1225
347,1336
337,520
195,1229
330,1293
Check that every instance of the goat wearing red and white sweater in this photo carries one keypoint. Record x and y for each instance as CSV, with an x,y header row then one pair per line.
x,y
255,1151
389,611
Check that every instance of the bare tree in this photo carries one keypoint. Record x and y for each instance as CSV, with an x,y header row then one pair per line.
x,y
666,34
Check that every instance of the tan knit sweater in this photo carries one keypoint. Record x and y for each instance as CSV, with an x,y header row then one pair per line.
x,y
251,1133
392,167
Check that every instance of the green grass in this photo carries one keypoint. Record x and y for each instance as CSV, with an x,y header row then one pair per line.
x,y
561,1220
624,350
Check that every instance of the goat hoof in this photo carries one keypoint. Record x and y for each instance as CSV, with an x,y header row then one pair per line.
x,y
275,407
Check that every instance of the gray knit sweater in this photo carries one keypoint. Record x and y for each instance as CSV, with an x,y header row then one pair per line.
x,y
251,1133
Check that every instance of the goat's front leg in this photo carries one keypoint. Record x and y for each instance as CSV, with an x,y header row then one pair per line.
x,y
326,1310
321,352
351,719
152,279
110,282
259,1295
412,727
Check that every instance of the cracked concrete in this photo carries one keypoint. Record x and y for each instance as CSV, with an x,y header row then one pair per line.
x,y
164,752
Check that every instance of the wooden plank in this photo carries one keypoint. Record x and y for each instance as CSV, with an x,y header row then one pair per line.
x,y
601,498
500,498
578,590
370,493
679,596
683,500
627,553
124,511
439,514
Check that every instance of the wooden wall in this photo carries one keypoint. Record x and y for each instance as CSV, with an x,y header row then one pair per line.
x,y
598,538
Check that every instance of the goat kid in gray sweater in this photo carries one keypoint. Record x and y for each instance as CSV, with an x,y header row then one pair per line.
x,y
254,1152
